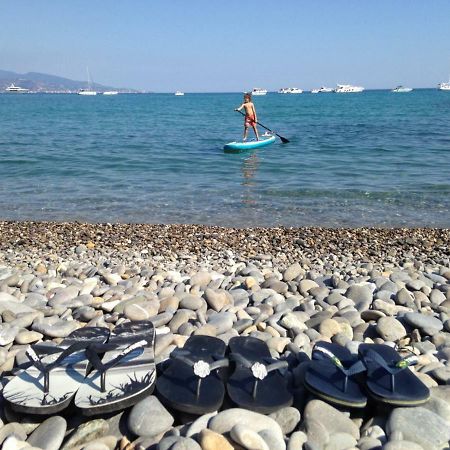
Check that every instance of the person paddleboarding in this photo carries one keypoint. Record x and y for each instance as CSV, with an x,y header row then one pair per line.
x,y
250,119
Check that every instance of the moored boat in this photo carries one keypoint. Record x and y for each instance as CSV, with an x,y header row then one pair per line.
x,y
348,88
179,93
444,86
290,91
89,90
16,89
259,91
322,90
110,93
401,89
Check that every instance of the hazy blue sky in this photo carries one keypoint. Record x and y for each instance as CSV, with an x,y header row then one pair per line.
x,y
230,45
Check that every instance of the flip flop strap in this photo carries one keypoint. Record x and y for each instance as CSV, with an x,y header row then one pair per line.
x,y
201,368
394,367
36,355
259,369
93,351
354,369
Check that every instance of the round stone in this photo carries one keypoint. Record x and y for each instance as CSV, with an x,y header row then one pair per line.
x,y
390,329
149,418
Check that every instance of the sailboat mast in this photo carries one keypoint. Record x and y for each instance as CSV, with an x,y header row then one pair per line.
x,y
89,79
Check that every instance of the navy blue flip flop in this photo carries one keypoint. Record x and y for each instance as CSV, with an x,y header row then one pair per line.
x,y
389,379
333,375
256,382
192,380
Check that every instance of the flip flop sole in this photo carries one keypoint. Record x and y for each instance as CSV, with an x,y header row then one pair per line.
x,y
25,392
177,386
271,393
337,401
125,384
409,390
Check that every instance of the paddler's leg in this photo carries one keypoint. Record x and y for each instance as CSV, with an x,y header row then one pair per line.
x,y
256,131
245,132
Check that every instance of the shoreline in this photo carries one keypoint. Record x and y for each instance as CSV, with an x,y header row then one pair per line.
x,y
204,242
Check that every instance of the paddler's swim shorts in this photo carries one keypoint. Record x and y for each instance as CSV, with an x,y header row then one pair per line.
x,y
249,121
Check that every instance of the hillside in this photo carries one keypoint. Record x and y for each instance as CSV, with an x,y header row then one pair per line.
x,y
42,82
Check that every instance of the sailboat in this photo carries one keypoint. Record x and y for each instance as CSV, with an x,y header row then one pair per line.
x,y
89,90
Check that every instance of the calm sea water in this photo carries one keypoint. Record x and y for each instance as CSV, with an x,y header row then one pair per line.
x,y
375,158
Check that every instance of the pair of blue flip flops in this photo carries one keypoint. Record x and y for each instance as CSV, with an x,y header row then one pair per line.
x,y
378,371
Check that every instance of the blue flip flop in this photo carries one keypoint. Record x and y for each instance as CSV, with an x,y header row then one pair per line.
x,y
389,379
333,375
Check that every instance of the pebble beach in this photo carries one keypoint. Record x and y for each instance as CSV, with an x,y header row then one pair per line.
x,y
290,287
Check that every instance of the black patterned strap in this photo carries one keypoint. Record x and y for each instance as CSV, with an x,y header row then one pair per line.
x,y
93,355
36,356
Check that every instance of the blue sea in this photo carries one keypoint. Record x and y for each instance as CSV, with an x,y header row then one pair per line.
x,y
370,159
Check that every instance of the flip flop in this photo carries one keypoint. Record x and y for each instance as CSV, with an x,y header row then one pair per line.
x,y
191,382
389,379
124,375
256,382
331,375
49,382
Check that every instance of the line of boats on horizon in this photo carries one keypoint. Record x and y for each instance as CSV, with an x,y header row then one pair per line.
x,y
340,88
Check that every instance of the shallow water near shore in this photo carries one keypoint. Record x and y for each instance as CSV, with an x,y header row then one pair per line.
x,y
376,158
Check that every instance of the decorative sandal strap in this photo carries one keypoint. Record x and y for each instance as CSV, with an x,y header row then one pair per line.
x,y
201,368
393,367
93,351
259,369
354,369
36,356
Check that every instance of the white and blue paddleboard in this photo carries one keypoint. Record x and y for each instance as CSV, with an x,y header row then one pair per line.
x,y
248,145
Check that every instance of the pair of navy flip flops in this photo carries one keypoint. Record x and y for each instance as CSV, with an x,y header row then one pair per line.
x,y
193,380
339,377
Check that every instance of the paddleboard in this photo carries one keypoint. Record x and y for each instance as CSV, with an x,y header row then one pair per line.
x,y
248,145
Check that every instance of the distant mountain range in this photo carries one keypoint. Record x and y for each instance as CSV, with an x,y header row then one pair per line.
x,y
42,82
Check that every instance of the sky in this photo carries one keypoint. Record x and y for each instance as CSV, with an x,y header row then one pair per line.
x,y
231,45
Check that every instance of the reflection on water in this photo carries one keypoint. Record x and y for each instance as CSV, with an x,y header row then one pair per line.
x,y
249,168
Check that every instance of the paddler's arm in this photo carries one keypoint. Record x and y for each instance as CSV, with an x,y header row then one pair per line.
x,y
254,113
240,107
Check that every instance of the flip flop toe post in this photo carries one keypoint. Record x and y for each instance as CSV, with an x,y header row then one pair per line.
x,y
389,379
333,375
192,380
257,383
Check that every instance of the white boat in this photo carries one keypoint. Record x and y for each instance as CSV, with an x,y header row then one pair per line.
x,y
401,89
444,86
179,93
321,90
347,88
89,90
110,93
16,89
290,91
259,91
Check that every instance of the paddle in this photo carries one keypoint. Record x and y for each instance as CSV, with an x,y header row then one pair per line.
x,y
283,139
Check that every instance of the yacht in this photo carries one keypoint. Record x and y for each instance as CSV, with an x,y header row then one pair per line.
x,y
321,90
259,91
444,86
346,88
89,90
402,89
16,89
179,93
110,93
290,91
